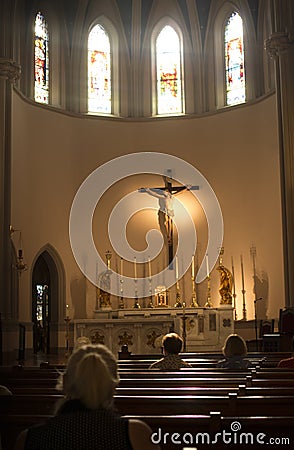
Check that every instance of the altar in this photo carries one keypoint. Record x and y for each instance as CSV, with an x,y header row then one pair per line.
x,y
142,329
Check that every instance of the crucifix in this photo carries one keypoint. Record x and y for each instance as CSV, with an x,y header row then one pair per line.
x,y
166,213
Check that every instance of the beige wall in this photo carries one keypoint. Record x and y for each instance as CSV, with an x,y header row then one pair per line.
x,y
235,149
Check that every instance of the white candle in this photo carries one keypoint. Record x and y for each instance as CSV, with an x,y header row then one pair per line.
x,y
135,267
121,266
149,267
207,265
177,269
192,267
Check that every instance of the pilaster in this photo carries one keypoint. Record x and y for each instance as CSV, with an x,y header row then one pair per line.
x,y
9,73
280,46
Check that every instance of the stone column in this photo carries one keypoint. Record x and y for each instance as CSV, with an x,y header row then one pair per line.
x,y
9,73
280,46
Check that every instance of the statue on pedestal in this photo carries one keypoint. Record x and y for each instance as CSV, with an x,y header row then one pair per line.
x,y
226,284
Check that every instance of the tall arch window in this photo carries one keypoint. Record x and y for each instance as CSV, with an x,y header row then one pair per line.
x,y
99,71
169,72
41,59
234,60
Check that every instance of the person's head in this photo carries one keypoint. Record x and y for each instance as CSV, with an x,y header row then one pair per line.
x,y
234,346
91,376
172,344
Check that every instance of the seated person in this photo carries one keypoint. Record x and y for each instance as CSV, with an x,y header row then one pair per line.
x,y
234,350
288,363
172,345
85,419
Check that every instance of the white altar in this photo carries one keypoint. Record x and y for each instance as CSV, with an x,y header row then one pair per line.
x,y
143,329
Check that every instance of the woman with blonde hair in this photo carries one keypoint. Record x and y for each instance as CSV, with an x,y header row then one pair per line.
x,y
234,351
85,419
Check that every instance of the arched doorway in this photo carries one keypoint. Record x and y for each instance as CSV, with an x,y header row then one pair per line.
x,y
46,289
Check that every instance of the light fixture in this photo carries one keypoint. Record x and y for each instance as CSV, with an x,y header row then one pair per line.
x,y
20,265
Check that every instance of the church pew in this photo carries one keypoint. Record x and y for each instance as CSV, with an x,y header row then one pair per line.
x,y
176,382
219,373
193,430
187,390
241,390
187,426
279,373
145,365
230,404
259,382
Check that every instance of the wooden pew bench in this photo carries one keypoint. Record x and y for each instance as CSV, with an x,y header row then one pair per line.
x,y
193,430
177,382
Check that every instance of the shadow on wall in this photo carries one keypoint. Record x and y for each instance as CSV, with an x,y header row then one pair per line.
x,y
78,296
260,290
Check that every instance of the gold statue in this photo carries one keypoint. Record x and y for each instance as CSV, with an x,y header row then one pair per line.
x,y
226,284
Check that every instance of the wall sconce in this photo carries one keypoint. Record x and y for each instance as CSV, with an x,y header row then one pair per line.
x,y
20,265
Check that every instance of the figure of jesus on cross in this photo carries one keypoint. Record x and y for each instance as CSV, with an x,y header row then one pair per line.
x,y
166,212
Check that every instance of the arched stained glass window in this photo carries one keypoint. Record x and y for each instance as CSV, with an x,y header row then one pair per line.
x,y
168,71
41,59
234,60
99,71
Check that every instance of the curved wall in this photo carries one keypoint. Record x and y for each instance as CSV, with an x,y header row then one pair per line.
x,y
235,149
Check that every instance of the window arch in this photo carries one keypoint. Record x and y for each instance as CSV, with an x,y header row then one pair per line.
x,y
234,60
216,54
99,71
41,59
169,79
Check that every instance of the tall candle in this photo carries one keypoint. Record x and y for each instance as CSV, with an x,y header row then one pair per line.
x,y
177,269
242,273
207,266
192,267
135,267
121,266
149,267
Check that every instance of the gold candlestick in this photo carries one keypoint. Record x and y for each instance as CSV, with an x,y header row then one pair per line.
x,y
208,303
67,321
136,303
121,300
108,255
184,333
178,303
194,303
234,292
150,304
243,291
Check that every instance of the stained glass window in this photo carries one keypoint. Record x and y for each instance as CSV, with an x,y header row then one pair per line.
x,y
42,302
41,59
99,71
234,59
168,68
